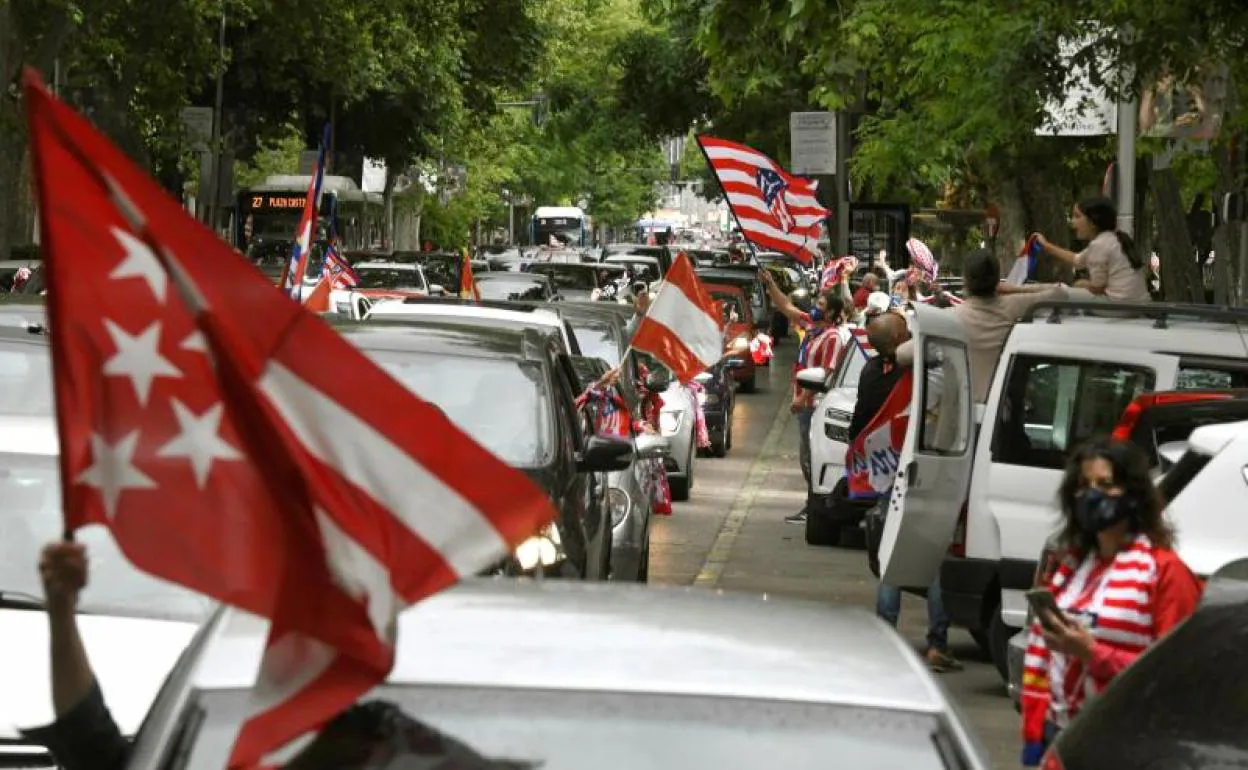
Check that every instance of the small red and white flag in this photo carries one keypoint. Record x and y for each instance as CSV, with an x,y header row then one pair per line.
x,y
875,455
776,210
199,423
683,329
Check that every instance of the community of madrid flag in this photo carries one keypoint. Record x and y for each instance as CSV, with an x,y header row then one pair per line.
x,y
876,453
776,210
292,273
682,329
467,285
200,424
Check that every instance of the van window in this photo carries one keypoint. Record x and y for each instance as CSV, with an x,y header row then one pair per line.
x,y
946,426
1051,405
1206,377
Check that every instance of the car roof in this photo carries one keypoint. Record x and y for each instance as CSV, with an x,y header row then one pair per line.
x,y
448,338
557,635
477,312
593,312
1211,439
507,275
388,265
1182,330
618,258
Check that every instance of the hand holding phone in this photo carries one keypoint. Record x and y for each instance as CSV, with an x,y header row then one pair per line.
x,y
1044,605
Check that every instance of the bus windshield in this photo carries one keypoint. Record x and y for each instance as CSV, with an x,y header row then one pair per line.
x,y
558,231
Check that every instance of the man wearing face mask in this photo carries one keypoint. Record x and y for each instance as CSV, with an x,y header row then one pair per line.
x,y
826,333
1119,587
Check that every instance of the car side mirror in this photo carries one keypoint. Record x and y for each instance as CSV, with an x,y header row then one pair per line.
x,y
437,290
652,447
603,454
734,363
814,379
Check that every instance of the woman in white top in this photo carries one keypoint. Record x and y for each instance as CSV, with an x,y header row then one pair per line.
x,y
1115,271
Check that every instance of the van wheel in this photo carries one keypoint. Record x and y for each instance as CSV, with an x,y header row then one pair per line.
x,y
999,643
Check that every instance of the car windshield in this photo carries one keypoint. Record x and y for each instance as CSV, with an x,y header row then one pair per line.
x,y
730,306
389,278
512,289
569,276
598,341
851,366
442,270
25,378
500,402
498,729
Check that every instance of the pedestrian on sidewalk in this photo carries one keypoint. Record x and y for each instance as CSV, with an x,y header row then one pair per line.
x,y
890,337
826,334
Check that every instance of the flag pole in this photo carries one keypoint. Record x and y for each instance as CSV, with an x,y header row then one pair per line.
x,y
697,138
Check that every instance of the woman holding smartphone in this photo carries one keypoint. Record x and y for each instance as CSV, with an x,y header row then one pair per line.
x,y
1119,588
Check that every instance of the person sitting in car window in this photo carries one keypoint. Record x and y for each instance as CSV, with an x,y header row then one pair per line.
x,y
1115,268
1119,587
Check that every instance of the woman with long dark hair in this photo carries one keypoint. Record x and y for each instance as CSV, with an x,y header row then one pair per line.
x,y
1115,270
1119,587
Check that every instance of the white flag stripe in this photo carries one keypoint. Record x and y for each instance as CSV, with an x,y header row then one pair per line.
x,y
742,200
360,575
732,153
292,663
763,228
696,330
797,200
448,523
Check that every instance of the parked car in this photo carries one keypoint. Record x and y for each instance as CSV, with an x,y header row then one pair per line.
x,y
562,677
630,492
513,390
485,313
578,281
739,329
1068,371
517,286
718,400
135,626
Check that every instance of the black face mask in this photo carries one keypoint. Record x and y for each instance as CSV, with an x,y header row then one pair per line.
x,y
1096,511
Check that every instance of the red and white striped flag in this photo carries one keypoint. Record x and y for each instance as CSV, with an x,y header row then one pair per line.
x,y
200,423
683,330
777,211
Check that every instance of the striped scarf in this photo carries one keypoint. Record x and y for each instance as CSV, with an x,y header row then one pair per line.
x,y
1116,603
611,417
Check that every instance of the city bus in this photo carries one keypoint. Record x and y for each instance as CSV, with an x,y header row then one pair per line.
x,y
267,215
561,226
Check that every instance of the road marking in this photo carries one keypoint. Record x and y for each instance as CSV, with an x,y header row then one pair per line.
x,y
721,549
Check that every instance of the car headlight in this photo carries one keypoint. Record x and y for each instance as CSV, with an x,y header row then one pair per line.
x,y
542,549
669,423
619,505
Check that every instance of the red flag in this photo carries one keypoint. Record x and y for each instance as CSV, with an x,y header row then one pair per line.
x,y
776,210
467,286
683,328
199,422
876,452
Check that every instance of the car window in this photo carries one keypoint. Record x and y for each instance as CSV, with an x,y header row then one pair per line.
x,y
1203,377
851,366
568,277
389,278
512,289
598,340
515,729
946,425
1052,405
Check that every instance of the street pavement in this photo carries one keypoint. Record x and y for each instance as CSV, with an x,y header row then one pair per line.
x,y
731,536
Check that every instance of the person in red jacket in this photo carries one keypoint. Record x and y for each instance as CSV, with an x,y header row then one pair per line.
x,y
1120,587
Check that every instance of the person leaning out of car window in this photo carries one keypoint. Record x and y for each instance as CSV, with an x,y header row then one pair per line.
x,y
1119,587
1115,270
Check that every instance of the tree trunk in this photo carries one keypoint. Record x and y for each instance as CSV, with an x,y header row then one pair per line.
x,y
1181,280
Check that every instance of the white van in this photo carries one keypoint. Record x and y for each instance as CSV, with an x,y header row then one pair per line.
x,y
1067,372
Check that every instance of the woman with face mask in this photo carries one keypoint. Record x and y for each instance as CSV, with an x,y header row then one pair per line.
x,y
1119,587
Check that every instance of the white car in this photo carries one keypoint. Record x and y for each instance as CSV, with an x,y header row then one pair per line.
x,y
379,282
563,677
514,314
134,626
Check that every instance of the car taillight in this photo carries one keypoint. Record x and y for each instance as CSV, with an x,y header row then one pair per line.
x,y
957,548
1131,417
1052,761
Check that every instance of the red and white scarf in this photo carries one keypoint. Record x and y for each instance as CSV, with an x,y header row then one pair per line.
x,y
1115,602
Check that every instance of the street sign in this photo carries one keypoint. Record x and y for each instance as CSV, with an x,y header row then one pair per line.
x,y
197,124
812,142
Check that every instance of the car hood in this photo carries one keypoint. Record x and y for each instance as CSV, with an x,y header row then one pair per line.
x,y
130,657
841,398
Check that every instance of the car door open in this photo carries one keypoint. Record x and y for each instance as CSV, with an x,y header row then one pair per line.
x,y
936,456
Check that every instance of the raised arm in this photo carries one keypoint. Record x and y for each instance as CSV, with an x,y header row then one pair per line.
x,y
782,303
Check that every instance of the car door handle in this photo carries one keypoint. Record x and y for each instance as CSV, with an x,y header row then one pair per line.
x,y
912,474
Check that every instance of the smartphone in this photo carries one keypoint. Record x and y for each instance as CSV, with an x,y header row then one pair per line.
x,y
1043,605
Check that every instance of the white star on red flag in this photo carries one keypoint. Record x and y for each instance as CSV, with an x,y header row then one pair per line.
x,y
138,358
113,471
199,440
140,262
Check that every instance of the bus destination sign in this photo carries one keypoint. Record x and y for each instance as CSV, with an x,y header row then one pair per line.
x,y
278,201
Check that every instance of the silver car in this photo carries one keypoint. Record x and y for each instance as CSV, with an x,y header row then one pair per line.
x,y
565,677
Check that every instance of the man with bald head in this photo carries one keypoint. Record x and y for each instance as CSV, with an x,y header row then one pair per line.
x,y
890,336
